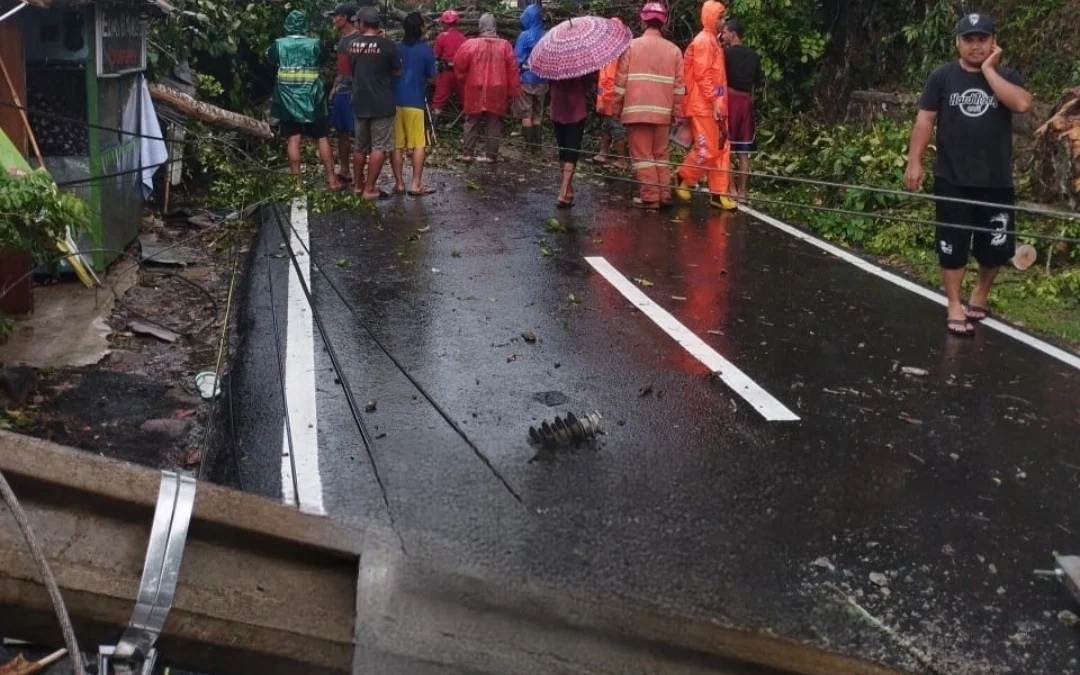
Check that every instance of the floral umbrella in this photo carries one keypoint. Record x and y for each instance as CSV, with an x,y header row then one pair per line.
x,y
579,46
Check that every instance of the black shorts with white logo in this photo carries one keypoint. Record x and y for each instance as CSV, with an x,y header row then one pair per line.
x,y
991,248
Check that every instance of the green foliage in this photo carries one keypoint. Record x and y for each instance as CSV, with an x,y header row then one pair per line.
x,y
931,40
228,40
786,34
7,324
35,214
874,156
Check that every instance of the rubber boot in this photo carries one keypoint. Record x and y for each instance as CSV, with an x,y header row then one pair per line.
x,y
682,190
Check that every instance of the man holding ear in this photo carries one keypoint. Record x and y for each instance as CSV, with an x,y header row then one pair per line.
x,y
972,101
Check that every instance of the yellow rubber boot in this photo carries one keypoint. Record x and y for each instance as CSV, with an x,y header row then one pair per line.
x,y
682,190
722,202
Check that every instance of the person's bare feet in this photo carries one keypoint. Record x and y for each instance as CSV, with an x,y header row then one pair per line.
x,y
958,322
976,309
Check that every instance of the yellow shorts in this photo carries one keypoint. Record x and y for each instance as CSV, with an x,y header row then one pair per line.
x,y
410,129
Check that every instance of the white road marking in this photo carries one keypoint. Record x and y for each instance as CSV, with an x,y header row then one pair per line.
x,y
771,409
300,381
1031,341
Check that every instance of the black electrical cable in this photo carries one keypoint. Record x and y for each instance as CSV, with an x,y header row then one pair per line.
x,y
409,376
350,397
1034,210
858,214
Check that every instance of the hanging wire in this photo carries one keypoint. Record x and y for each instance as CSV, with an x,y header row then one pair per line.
x,y
813,207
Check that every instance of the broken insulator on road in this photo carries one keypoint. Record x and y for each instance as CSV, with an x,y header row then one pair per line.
x,y
567,431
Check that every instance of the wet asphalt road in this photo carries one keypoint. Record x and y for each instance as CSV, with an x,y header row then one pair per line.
x,y
954,485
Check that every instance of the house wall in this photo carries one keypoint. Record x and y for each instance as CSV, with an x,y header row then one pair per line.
x,y
11,51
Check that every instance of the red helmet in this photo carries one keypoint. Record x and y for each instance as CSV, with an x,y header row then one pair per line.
x,y
449,17
654,10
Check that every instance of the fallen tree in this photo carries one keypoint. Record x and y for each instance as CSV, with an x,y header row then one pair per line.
x,y
210,114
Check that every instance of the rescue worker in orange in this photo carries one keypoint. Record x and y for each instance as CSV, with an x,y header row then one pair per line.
x,y
706,108
649,95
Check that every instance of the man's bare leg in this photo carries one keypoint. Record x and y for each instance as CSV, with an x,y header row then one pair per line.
x,y
954,280
326,154
292,150
605,148
418,156
397,167
620,152
375,164
742,179
980,297
345,154
359,162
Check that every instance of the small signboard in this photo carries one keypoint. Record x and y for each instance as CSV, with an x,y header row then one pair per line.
x,y
121,41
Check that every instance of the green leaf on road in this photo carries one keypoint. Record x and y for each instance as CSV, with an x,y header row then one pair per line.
x,y
342,262
545,251
455,254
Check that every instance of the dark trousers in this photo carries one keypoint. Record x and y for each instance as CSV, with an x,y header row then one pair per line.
x,y
484,124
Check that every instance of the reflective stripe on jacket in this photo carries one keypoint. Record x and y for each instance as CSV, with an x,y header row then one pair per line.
x,y
649,85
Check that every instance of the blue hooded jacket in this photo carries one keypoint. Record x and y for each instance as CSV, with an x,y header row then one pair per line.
x,y
532,20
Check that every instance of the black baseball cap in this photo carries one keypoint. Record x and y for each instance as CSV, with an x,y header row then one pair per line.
x,y
369,16
345,9
975,24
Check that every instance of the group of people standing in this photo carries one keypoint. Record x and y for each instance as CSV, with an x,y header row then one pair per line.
x,y
378,104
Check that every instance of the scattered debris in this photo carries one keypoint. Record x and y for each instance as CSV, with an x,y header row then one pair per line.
x,y
646,390
436,270
207,384
954,456
909,419
915,457
472,185
371,406
455,254
824,563
678,297
551,398
511,358
529,336
948,550
553,225
992,568
1068,618
644,283
380,435
997,481
545,252
914,372
170,428
342,262
141,327
566,431
1019,639
193,457
716,332
879,579
598,240
424,230
572,299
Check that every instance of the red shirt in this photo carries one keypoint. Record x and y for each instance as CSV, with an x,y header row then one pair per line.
x,y
568,99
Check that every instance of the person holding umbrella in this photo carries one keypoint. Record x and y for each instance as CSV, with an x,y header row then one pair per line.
x,y
706,108
649,93
489,72
568,56
446,47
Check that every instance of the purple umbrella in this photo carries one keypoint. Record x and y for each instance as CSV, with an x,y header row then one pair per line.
x,y
579,46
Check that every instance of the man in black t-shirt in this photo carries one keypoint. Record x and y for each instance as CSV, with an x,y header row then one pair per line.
x,y
743,75
972,100
375,63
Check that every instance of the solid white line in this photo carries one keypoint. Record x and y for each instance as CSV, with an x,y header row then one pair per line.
x,y
1031,341
761,400
300,381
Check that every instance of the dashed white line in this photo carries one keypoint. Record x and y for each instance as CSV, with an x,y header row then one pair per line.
x,y
1029,340
305,488
771,409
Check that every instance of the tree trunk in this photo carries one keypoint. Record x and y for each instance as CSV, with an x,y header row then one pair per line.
x,y
1057,153
209,113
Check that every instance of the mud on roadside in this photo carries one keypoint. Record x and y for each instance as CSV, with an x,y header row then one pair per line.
x,y
139,400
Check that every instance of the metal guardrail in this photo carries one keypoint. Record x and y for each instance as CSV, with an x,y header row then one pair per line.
x,y
265,589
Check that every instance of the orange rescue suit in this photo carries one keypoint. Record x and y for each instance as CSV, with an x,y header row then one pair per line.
x,y
706,105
